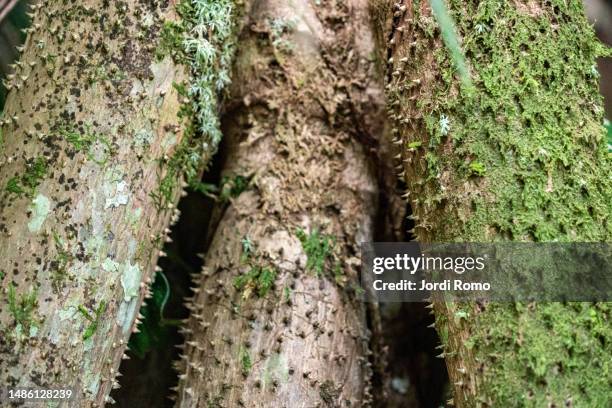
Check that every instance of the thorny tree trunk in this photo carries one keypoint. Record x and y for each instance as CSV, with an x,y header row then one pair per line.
x,y
91,115
502,140
268,327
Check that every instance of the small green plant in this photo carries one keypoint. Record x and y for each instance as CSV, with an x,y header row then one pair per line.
x,y
170,41
232,187
245,360
477,168
94,320
22,307
208,189
318,248
35,173
414,145
287,293
258,279
13,186
247,248
85,142
36,170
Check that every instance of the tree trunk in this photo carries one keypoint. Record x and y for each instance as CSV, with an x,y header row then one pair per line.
x,y
94,148
501,126
275,318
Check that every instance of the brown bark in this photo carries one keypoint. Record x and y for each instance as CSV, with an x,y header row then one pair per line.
x,y
301,124
90,117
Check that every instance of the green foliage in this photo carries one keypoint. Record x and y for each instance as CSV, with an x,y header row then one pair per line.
x,y
208,189
318,248
245,360
259,279
247,248
22,307
155,329
232,187
85,142
608,127
171,40
477,168
229,187
94,320
36,170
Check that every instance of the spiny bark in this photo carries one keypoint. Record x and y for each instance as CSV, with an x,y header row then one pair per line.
x,y
503,140
268,326
89,127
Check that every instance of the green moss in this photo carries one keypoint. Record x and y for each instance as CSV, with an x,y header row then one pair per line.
x,y
539,131
527,366
232,187
258,279
22,307
530,128
94,320
245,360
85,141
170,41
14,186
35,172
318,248
478,168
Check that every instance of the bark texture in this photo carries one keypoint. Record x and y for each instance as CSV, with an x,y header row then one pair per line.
x,y
500,122
88,184
275,317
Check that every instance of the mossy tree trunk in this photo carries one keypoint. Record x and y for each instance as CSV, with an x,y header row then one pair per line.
x,y
94,147
275,318
501,128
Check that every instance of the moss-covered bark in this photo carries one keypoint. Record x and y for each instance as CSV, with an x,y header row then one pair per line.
x,y
275,318
97,142
500,121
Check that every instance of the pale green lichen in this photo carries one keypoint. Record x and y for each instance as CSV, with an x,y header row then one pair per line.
x,y
110,266
41,206
204,41
116,190
276,369
130,280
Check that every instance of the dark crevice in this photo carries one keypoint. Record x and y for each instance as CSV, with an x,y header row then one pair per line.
x,y
413,376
